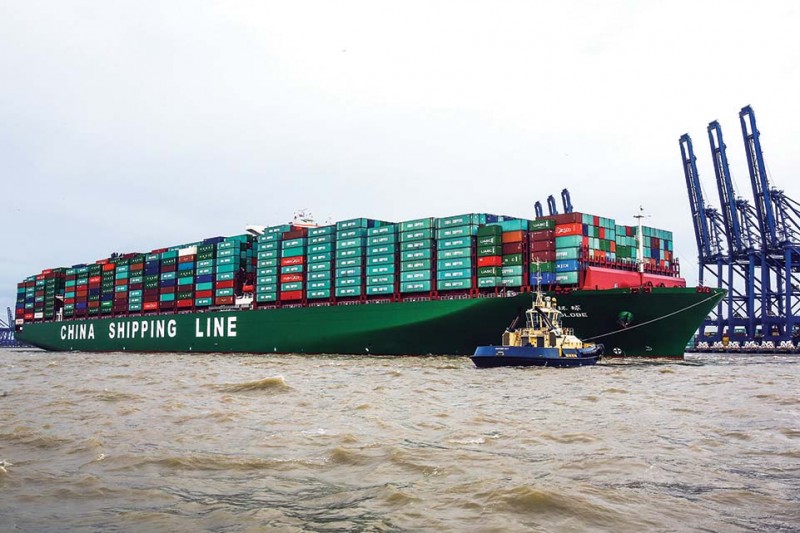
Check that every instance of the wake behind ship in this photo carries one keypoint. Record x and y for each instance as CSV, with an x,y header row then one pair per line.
x,y
364,286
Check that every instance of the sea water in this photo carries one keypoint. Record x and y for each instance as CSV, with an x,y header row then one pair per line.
x,y
178,442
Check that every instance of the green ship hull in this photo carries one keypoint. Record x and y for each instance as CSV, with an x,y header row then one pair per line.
x,y
656,324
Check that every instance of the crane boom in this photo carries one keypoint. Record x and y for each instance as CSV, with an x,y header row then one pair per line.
x,y
696,204
758,179
730,215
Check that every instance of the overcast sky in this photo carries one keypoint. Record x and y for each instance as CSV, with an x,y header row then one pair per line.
x,y
127,126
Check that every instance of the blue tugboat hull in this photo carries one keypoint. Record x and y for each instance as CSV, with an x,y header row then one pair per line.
x,y
497,356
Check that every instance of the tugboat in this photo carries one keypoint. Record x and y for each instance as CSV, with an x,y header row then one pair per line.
x,y
542,342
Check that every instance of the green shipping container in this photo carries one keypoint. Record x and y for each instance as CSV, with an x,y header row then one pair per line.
x,y
489,281
420,264
373,290
416,275
570,241
348,282
379,270
292,286
415,286
457,263
455,253
491,271
318,294
266,297
486,251
380,280
512,260
454,274
452,232
454,284
489,240
317,285
567,278
416,235
507,271
317,276
420,223
512,281
344,292
319,267
387,259
542,224
568,253
458,242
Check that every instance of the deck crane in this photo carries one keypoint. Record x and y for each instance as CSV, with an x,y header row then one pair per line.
x,y
708,229
551,205
537,209
566,200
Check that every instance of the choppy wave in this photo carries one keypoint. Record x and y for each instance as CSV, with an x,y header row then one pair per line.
x,y
270,384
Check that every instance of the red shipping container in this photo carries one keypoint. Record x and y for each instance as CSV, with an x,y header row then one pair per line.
x,y
40,277
567,218
94,304
136,266
204,294
490,261
292,295
120,282
290,278
158,251
186,259
296,233
95,279
223,300
135,286
510,248
108,267
227,284
150,293
613,246
543,235
543,255
101,261
289,261
69,300
564,230
596,221
149,306
47,271
602,233
28,316
541,246
185,303
513,236
166,290
169,268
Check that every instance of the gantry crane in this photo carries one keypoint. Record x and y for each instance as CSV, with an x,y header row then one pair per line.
x,y
759,264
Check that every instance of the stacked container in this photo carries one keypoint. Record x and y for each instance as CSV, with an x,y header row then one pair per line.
x,y
268,258
514,245
417,255
233,262
135,283
121,286
350,257
656,246
95,285
543,252
489,256
455,251
19,308
187,269
381,260
205,273
320,262
152,279
168,280
293,265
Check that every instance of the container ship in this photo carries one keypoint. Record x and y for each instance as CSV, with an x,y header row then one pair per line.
x,y
364,286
